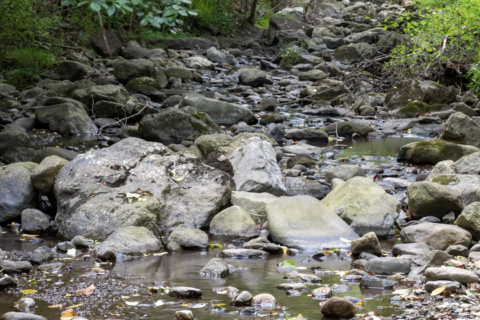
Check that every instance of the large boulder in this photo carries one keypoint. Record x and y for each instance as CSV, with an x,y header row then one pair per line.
x,y
469,219
189,238
254,77
364,205
221,112
433,199
301,186
66,118
354,53
146,86
306,223
255,168
175,125
460,128
125,70
114,43
10,139
133,182
468,165
437,236
467,184
34,221
344,172
348,128
43,176
129,240
423,91
17,192
367,243
434,151
235,222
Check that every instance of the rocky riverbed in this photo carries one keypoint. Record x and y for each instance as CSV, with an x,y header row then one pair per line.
x,y
224,177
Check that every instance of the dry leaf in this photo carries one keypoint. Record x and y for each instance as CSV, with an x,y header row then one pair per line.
x,y
29,291
439,290
86,292
57,306
69,314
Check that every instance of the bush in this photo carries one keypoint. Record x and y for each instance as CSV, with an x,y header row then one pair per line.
x,y
28,57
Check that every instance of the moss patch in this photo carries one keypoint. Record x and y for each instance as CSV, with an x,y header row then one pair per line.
x,y
445,179
434,151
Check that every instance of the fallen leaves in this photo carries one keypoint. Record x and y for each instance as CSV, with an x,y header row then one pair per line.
x,y
69,314
86,292
29,291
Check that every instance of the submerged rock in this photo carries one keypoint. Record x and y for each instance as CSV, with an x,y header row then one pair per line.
x,y
264,300
215,268
337,307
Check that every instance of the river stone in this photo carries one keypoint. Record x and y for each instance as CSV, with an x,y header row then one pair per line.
x,y
125,70
312,75
244,253
185,293
307,134
301,186
367,243
323,292
410,248
7,281
128,240
264,300
25,304
441,168
433,199
42,255
255,168
65,246
66,118
17,192
219,111
388,266
261,243
337,307
467,165
252,202
467,184
469,219
175,125
51,266
80,242
184,315
254,78
304,222
189,238
21,316
369,281
344,172
457,250
313,151
432,258
348,129
198,63
34,221
215,268
435,235
114,43
451,273
96,192
43,176
460,128
364,205
451,286
292,286
234,221
9,139
242,299
15,266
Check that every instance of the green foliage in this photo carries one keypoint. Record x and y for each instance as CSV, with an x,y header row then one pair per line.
x,y
22,77
290,56
28,57
214,13
264,13
441,32
215,246
288,263
474,76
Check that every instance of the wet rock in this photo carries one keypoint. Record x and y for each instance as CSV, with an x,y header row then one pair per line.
x,y
398,184
410,248
364,205
433,199
6,282
135,51
388,266
189,238
264,300
469,219
65,246
372,282
9,139
51,266
252,202
340,288
303,222
451,286
104,185
312,75
185,293
17,192
215,268
442,168
344,172
255,168
145,86
184,315
125,70
174,247
80,242
367,243
324,292
234,221
254,78
300,186
128,240
98,44
460,128
307,134
338,308
198,63
15,266
348,129
43,176
21,316
244,298
451,273
219,111
244,253
25,304
292,286
296,276
42,255
34,221
173,126
66,118
436,236
261,243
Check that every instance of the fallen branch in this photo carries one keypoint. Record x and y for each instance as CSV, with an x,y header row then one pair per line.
x,y
123,119
160,232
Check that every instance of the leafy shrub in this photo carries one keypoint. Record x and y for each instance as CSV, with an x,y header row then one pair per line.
x,y
28,57
214,13
290,56
22,77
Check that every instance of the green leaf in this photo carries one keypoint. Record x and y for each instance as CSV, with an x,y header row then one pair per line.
x,y
288,263
111,10
127,8
82,3
95,6
192,13
183,13
135,2
169,12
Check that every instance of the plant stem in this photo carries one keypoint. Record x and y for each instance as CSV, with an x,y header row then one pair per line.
x,y
104,34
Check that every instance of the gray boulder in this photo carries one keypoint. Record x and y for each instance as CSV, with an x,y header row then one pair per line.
x,y
219,111
255,168
252,202
388,266
364,205
185,293
307,134
467,165
6,282
235,222
451,273
189,238
198,63
437,236
306,223
467,184
66,118
17,192
312,75
469,219
15,266
43,176
214,55
10,139
134,182
346,128
344,172
372,282
433,199
367,243
410,248
130,240
215,268
125,70
114,43
42,255
21,316
354,53
451,286
34,221
337,307
462,129
254,78
300,186
175,125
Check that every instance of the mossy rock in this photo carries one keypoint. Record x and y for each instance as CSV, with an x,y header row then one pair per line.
x,y
271,118
446,179
307,162
436,150
348,128
413,109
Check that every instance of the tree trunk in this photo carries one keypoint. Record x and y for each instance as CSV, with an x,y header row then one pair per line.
x,y
104,34
251,19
